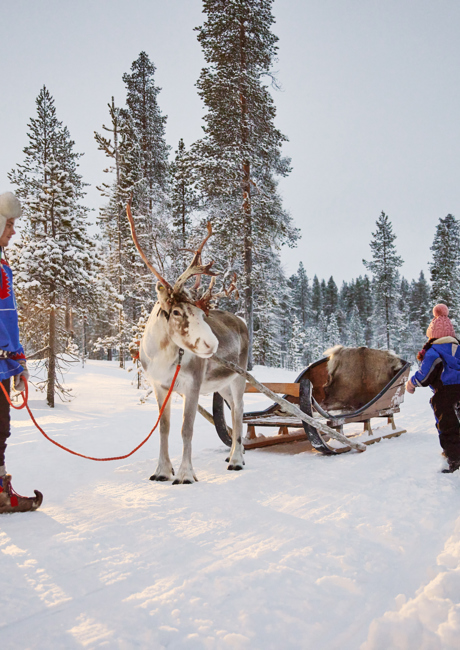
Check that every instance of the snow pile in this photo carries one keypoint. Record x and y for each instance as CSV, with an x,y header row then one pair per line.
x,y
430,620
298,550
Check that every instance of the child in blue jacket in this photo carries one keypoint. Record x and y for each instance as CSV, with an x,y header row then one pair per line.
x,y
440,369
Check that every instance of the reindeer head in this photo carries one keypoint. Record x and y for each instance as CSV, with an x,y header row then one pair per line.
x,y
186,323
185,309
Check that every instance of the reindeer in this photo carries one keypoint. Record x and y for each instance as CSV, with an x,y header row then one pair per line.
x,y
184,322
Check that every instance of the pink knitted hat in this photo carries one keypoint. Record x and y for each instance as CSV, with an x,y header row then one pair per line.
x,y
441,325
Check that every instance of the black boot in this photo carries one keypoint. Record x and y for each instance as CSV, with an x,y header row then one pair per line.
x,y
454,465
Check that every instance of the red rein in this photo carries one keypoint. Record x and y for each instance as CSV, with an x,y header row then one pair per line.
x,y
75,453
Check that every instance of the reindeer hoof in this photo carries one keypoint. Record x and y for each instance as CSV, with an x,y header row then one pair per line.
x,y
227,460
236,468
155,477
185,481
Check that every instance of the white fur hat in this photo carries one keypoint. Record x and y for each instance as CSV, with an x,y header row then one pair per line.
x,y
10,208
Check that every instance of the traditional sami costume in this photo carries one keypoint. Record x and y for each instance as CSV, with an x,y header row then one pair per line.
x,y
10,348
11,351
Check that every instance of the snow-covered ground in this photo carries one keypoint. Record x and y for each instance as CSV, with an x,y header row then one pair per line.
x,y
359,551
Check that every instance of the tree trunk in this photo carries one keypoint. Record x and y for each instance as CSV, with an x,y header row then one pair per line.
x,y
248,293
119,236
121,356
387,322
52,357
69,318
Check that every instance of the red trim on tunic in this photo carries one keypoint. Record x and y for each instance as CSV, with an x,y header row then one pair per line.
x,y
5,289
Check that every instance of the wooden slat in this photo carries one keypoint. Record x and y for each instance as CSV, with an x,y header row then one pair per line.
x,y
273,421
285,389
273,440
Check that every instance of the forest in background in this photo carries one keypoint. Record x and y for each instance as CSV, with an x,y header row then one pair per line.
x,y
92,295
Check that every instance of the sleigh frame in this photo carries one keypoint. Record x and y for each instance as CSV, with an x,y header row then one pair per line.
x,y
307,391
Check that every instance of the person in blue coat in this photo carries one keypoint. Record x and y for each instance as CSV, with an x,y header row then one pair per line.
x,y
440,369
12,358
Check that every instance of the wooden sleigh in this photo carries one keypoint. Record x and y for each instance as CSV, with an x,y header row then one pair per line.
x,y
308,393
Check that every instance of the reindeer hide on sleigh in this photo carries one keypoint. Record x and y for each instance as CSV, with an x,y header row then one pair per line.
x,y
356,376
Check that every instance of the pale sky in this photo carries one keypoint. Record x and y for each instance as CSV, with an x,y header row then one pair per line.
x,y
370,102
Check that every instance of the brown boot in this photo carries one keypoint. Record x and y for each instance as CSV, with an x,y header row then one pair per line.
x,y
10,501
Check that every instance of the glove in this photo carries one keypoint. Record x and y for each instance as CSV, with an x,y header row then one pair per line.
x,y
18,382
410,387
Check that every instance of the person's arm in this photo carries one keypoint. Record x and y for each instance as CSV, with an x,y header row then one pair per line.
x,y
428,370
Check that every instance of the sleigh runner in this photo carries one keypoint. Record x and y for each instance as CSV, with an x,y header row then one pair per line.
x,y
308,392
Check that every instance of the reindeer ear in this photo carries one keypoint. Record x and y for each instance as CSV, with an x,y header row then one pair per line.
x,y
163,296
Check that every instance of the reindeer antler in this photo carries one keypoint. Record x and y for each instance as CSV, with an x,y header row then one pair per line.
x,y
196,266
164,282
231,288
208,297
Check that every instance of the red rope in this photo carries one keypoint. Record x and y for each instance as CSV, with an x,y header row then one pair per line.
x,y
75,453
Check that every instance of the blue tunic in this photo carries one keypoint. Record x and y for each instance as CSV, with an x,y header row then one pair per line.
x,y
9,328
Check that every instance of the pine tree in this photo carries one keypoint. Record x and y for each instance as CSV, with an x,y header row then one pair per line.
x,y
316,299
297,346
184,199
240,155
330,298
419,302
273,311
301,294
354,331
404,295
363,297
384,267
445,273
123,266
314,343
115,234
56,262
347,297
322,338
149,125
333,336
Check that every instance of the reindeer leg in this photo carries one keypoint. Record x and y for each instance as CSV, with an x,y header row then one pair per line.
x,y
234,395
164,470
186,473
